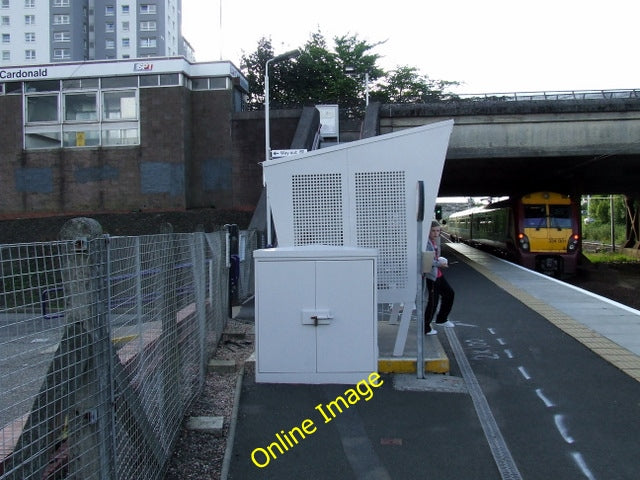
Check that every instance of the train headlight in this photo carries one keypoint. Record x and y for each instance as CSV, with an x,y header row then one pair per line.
x,y
523,241
572,244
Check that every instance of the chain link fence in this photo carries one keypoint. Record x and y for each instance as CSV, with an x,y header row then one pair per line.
x,y
103,346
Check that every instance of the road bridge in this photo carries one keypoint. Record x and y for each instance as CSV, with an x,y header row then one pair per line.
x,y
575,142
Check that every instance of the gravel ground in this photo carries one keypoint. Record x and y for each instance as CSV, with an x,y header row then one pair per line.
x,y
199,456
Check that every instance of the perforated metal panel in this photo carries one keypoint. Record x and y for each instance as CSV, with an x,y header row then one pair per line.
x,y
317,209
381,223
362,194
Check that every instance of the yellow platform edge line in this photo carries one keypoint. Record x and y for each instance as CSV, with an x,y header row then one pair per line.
x,y
408,365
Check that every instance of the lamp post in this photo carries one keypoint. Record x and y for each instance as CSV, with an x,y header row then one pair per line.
x,y
267,133
351,72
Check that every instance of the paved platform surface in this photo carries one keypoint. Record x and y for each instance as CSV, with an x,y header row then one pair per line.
x,y
410,428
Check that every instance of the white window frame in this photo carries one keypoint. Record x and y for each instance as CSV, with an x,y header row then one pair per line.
x,y
30,54
61,54
6,21
6,38
148,42
29,19
109,10
29,37
5,4
148,9
62,37
109,27
29,3
61,3
61,19
109,44
150,26
6,55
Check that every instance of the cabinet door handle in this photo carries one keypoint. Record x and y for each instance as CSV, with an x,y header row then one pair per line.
x,y
316,318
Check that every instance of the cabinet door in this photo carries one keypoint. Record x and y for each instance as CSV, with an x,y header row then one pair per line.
x,y
346,288
284,344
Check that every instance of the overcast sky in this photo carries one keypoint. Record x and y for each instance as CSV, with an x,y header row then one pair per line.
x,y
491,46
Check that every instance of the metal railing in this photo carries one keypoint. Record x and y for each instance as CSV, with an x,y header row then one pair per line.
x,y
554,96
103,346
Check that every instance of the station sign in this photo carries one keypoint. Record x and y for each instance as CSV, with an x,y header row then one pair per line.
x,y
287,153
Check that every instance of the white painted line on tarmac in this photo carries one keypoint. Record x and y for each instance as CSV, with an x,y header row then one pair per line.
x,y
547,403
559,419
491,331
501,341
582,465
501,453
460,324
508,353
524,373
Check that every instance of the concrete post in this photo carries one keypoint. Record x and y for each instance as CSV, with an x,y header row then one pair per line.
x,y
85,279
75,395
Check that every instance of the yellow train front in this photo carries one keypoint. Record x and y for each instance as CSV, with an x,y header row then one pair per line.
x,y
540,231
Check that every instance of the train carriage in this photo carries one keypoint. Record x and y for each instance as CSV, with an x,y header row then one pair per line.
x,y
540,231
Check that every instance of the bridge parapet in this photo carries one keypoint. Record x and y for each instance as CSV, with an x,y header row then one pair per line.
x,y
521,103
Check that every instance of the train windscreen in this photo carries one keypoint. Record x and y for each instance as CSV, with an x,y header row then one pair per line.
x,y
535,216
560,216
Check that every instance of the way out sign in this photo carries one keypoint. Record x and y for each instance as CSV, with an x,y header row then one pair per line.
x,y
287,153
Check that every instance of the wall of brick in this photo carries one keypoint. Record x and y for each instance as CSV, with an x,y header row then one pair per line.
x,y
249,151
194,152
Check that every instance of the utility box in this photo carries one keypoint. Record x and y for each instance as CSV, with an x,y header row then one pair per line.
x,y
316,314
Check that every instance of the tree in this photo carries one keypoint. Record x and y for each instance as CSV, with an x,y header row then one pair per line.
x,y
320,75
406,85
253,68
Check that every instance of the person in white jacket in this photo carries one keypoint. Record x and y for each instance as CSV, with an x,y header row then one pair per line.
x,y
438,288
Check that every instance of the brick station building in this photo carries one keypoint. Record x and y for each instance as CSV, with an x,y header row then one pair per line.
x,y
125,135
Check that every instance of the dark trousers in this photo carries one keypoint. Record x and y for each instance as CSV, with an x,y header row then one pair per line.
x,y
439,291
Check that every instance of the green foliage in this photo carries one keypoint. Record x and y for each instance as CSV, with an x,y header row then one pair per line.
x,y
598,210
609,257
406,85
601,232
342,75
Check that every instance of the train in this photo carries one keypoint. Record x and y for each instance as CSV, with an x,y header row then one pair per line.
x,y
540,231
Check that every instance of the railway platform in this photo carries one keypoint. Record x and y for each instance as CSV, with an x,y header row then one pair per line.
x,y
606,327
408,428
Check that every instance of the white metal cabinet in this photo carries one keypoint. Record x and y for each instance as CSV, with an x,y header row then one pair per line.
x,y
315,314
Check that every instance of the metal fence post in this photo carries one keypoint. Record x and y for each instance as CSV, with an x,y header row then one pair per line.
x,y
198,270
169,336
234,264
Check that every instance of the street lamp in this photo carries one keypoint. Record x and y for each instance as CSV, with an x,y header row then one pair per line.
x,y
351,72
267,134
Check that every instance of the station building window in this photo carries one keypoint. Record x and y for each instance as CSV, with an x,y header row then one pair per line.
x,y
209,83
81,113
